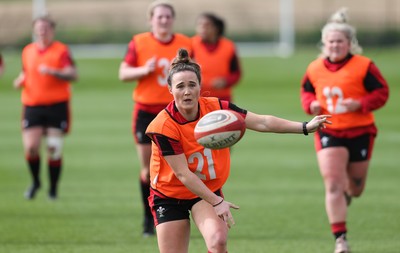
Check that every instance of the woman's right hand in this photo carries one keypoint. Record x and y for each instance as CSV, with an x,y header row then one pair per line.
x,y
224,212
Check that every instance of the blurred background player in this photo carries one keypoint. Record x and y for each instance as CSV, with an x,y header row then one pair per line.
x,y
47,70
348,86
147,60
217,57
1,65
186,178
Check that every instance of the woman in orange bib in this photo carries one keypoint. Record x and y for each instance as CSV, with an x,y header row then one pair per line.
x,y
187,178
47,72
147,60
349,87
216,54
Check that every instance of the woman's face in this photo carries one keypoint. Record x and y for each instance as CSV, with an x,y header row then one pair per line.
x,y
336,46
185,89
162,20
43,31
206,29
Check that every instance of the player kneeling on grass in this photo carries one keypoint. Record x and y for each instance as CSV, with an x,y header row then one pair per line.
x,y
187,177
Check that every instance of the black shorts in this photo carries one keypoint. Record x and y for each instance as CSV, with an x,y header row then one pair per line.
x,y
55,116
141,120
166,209
360,147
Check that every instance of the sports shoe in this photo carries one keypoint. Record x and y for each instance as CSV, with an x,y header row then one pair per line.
x,y
341,245
148,227
52,194
31,192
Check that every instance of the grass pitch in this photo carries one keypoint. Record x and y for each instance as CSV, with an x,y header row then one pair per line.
x,y
274,178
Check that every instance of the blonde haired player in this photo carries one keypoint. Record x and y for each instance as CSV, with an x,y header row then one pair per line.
x,y
349,87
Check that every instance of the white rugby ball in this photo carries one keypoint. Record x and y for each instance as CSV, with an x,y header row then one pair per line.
x,y
219,129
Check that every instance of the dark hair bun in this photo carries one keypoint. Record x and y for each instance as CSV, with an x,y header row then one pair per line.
x,y
183,62
183,55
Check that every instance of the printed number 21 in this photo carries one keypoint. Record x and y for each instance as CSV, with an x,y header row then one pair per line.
x,y
200,163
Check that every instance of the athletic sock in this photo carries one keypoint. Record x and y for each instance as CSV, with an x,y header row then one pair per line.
x,y
34,168
145,190
339,229
54,167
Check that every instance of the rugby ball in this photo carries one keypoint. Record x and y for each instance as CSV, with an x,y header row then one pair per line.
x,y
219,129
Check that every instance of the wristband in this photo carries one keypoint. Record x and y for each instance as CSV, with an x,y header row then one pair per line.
x,y
218,203
305,132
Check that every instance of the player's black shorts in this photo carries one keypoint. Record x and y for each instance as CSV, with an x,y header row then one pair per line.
x,y
140,123
142,116
55,116
360,147
166,209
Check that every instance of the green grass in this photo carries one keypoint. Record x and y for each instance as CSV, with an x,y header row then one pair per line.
x,y
274,178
